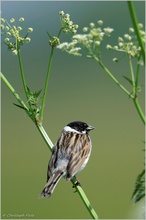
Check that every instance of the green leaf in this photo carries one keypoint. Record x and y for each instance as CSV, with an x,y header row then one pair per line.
x,y
139,191
33,96
19,106
49,36
129,80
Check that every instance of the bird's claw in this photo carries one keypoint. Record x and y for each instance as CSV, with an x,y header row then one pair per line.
x,y
77,183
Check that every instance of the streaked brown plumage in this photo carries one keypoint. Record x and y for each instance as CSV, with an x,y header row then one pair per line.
x,y
70,155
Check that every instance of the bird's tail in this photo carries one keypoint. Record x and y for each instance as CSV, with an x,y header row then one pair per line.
x,y
51,184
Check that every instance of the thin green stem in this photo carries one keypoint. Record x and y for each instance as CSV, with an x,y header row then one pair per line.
x,y
137,75
132,96
132,76
59,32
22,74
139,110
85,200
113,78
14,92
46,85
135,25
45,136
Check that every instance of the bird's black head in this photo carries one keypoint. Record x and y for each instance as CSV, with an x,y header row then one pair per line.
x,y
80,126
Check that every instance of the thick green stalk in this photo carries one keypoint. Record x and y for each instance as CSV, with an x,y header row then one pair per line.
x,y
50,145
85,200
135,25
46,85
139,110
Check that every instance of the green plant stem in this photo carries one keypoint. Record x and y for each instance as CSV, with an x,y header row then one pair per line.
x,y
137,75
85,200
50,145
139,110
14,92
22,75
46,85
113,78
59,32
135,25
45,136
132,76
132,96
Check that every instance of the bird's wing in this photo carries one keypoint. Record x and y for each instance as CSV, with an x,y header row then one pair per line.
x,y
52,162
79,157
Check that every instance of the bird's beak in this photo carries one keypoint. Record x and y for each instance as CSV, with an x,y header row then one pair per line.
x,y
90,128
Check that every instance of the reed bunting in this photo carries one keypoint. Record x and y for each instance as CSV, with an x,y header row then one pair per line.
x,y
70,155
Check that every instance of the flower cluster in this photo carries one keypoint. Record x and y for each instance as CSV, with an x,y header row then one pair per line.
x,y
70,48
67,24
128,43
14,38
90,39
54,41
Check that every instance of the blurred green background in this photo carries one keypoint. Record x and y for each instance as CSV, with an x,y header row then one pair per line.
x,y
78,90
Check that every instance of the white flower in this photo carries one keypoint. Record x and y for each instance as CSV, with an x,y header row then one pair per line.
x,y
7,28
15,52
108,30
115,47
8,33
108,47
12,20
127,36
97,43
30,30
21,19
92,25
61,13
62,46
140,25
120,39
27,39
131,30
2,20
100,22
19,28
85,29
115,60
7,39
121,44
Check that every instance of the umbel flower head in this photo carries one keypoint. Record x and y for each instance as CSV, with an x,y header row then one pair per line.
x,y
14,36
128,43
90,40
67,24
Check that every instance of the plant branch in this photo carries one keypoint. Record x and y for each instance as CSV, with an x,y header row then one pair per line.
x,y
135,25
14,92
139,110
22,74
113,78
46,85
85,200
132,76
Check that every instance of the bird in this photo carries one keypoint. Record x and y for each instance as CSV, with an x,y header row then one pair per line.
x,y
69,156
